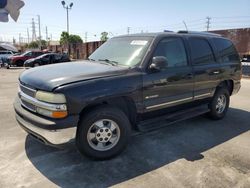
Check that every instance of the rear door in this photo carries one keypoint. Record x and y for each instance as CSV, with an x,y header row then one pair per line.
x,y
173,85
207,70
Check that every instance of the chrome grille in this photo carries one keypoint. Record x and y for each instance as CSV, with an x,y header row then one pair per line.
x,y
27,105
28,91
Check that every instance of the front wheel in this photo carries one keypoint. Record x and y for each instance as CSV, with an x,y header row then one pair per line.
x,y
219,104
103,133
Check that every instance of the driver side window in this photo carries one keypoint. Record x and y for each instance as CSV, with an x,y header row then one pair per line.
x,y
173,50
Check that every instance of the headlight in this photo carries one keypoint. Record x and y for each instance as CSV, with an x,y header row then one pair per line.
x,y
53,105
50,97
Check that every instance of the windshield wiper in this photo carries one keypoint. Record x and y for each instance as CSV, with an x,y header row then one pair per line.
x,y
114,63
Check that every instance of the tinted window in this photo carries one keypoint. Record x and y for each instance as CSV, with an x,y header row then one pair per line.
x,y
173,49
201,51
57,57
226,50
28,54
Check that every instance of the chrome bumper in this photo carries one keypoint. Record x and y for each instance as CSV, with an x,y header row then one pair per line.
x,y
32,124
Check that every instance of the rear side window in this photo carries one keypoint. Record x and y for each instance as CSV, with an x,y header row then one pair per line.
x,y
201,51
173,49
227,51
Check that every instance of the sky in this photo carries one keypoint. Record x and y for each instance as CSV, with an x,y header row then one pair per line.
x,y
115,16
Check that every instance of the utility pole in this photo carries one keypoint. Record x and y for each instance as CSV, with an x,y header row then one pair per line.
x,y
208,22
33,30
128,30
19,39
67,7
40,37
28,35
46,30
86,36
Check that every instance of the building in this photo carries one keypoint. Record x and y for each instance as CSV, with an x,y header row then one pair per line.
x,y
240,38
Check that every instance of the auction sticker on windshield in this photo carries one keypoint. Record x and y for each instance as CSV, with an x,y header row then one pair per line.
x,y
139,42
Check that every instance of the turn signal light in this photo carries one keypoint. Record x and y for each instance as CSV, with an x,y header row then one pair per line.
x,y
59,114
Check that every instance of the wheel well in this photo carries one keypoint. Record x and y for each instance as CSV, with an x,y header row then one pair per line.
x,y
125,104
19,62
228,84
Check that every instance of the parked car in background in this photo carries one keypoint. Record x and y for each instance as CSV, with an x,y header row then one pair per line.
x,y
246,58
45,59
4,54
18,60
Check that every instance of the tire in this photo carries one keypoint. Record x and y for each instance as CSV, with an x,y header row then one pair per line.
x,y
19,63
219,104
90,140
36,65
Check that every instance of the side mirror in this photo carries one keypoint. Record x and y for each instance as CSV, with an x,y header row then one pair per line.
x,y
159,63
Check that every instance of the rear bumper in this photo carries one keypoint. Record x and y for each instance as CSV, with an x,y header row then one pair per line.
x,y
50,132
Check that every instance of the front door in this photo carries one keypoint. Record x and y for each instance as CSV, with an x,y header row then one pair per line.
x,y
173,85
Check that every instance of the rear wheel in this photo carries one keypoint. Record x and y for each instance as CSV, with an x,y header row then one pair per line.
x,y
219,104
103,133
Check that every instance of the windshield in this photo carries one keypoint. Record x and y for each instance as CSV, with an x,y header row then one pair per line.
x,y
27,53
126,51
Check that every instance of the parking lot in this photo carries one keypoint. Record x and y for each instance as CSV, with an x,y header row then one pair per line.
x,y
194,153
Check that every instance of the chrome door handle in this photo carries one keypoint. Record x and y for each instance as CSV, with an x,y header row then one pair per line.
x,y
216,72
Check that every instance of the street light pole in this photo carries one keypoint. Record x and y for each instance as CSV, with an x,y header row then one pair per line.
x,y
67,7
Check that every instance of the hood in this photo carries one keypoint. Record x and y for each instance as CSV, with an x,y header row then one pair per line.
x,y
16,56
51,76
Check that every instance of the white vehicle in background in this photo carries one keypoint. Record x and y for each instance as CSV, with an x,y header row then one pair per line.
x,y
5,54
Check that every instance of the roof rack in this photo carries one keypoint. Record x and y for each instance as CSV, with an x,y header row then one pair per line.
x,y
199,33
168,31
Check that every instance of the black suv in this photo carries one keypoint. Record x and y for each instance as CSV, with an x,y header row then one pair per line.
x,y
131,83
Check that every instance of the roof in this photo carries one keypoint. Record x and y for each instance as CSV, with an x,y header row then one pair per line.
x,y
6,46
170,33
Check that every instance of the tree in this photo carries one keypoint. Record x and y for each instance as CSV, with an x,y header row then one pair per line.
x,y
44,43
104,36
70,39
75,39
64,38
33,44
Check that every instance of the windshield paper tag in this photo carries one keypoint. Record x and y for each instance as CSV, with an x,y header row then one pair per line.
x,y
139,42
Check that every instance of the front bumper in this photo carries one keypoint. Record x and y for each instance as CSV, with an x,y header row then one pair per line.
x,y
50,132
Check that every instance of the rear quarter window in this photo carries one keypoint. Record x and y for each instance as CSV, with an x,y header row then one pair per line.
x,y
227,51
201,51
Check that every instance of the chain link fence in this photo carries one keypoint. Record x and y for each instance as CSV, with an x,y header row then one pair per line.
x,y
246,68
